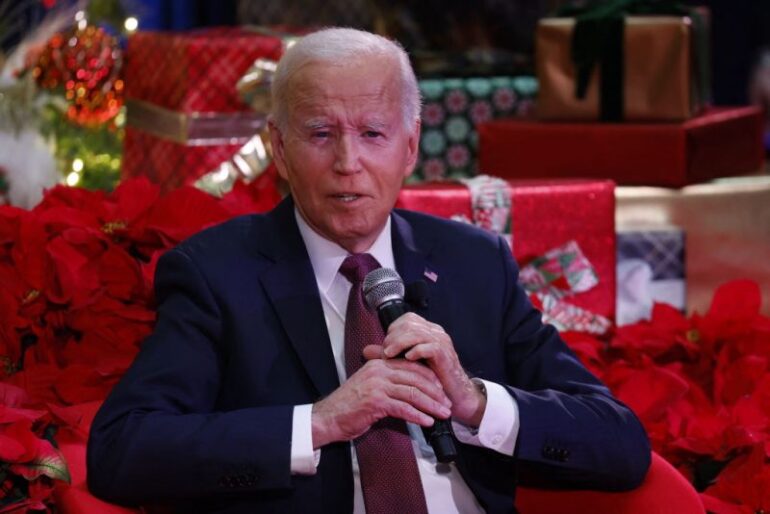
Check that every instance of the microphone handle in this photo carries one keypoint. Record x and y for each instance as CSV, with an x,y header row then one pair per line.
x,y
440,435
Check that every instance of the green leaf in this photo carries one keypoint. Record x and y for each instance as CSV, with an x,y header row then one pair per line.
x,y
50,464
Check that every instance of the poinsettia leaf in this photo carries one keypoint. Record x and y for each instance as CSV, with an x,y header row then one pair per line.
x,y
23,506
12,415
50,464
10,448
12,396
649,392
134,197
717,506
736,300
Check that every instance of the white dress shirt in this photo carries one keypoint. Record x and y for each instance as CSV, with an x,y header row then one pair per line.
x,y
445,490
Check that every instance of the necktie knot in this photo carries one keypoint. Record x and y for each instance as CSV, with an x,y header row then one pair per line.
x,y
355,267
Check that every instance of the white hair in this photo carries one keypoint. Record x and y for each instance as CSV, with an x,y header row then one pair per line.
x,y
337,46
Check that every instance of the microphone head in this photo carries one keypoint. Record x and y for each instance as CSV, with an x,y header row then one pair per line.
x,y
382,285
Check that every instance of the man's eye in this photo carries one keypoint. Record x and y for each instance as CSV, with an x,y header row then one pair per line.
x,y
372,134
321,134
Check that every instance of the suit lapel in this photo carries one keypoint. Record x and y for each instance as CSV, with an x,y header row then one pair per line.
x,y
291,287
411,260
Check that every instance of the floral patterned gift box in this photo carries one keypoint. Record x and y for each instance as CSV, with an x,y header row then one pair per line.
x,y
452,108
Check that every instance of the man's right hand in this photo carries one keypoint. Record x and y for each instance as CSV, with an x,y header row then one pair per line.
x,y
381,388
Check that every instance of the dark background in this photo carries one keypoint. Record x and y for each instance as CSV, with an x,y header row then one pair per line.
x,y
498,31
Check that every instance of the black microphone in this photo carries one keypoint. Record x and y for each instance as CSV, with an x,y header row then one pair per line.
x,y
417,295
384,292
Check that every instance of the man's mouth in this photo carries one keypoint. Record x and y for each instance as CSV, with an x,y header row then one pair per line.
x,y
346,197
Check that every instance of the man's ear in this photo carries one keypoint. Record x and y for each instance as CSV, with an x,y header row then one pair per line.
x,y
413,148
276,143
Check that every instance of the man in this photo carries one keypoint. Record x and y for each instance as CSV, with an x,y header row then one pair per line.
x,y
264,365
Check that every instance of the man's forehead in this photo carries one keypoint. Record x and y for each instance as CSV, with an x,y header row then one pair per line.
x,y
318,90
359,77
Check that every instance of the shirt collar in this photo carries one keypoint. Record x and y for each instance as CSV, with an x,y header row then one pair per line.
x,y
327,256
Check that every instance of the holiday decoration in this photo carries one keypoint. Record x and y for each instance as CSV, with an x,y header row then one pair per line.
x,y
29,460
638,60
558,274
724,141
86,64
188,118
62,86
452,109
651,269
727,227
76,278
541,215
28,167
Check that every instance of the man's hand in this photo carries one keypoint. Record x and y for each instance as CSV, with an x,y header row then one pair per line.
x,y
420,340
381,388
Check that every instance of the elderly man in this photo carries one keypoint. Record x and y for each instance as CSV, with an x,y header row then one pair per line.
x,y
268,386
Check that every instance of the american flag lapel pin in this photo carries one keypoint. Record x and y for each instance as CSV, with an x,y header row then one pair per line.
x,y
430,275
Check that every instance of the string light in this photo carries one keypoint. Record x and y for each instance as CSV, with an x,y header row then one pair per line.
x,y
77,165
131,24
73,178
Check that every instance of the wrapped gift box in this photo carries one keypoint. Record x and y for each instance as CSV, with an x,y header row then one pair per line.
x,y
650,269
722,142
636,68
185,116
545,215
452,109
727,225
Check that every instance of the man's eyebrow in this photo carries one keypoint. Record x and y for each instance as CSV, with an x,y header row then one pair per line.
x,y
316,123
375,125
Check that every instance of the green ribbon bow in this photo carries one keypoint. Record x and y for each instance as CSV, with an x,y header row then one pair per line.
x,y
598,38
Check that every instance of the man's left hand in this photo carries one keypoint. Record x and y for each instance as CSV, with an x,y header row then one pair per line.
x,y
417,339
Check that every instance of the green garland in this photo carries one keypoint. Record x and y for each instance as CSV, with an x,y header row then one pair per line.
x,y
100,148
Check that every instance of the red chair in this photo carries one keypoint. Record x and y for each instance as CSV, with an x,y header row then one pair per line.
x,y
664,491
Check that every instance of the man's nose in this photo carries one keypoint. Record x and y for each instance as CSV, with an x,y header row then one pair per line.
x,y
347,154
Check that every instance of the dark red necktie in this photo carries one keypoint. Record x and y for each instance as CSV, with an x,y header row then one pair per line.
x,y
389,477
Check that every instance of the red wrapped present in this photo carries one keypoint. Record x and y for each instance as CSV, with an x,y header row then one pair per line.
x,y
722,142
544,216
185,116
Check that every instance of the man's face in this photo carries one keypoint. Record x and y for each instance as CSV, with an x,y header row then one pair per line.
x,y
345,150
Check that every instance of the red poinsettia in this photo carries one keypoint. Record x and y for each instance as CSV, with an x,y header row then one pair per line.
x,y
29,462
701,387
743,487
667,337
78,268
76,302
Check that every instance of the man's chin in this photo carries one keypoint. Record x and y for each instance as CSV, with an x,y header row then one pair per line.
x,y
355,240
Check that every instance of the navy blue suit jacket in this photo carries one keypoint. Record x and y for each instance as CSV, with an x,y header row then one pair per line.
x,y
203,417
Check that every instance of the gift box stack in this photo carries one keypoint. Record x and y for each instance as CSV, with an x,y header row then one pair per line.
x,y
185,116
624,92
